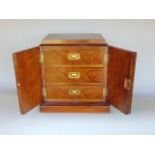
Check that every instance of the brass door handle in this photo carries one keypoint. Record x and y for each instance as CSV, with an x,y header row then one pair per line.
x,y
74,75
74,92
73,56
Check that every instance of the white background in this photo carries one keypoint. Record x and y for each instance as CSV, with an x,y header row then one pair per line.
x,y
136,35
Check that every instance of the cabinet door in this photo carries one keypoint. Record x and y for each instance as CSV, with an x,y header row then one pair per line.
x,y
121,69
28,78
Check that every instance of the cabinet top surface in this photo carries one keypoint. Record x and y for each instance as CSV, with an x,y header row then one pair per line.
x,y
73,39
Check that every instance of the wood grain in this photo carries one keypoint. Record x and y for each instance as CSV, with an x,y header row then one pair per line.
x,y
121,65
74,109
95,75
77,39
87,75
28,78
89,56
86,92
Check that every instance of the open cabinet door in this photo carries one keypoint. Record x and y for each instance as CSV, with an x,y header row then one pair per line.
x,y
121,69
28,78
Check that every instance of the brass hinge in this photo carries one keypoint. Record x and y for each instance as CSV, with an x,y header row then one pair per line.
x,y
44,93
106,57
41,57
105,92
127,83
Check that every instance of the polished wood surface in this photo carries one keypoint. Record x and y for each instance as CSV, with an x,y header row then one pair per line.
x,y
75,73
77,39
61,75
88,55
80,92
75,109
89,62
121,66
28,78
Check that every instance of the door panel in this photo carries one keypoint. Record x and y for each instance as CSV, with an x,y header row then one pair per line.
x,y
28,78
121,69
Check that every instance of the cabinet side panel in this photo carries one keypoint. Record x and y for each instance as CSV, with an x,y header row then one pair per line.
x,y
121,67
28,78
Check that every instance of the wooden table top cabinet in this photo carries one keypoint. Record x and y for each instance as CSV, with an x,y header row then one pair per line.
x,y
74,73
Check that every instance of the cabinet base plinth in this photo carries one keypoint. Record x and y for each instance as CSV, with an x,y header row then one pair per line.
x,y
86,109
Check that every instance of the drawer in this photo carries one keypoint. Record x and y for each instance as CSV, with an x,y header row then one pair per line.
x,y
74,55
74,75
73,92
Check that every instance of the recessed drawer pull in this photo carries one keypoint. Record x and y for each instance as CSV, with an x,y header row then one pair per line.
x,y
74,92
74,75
73,56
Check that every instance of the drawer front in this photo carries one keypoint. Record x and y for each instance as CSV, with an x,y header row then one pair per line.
x,y
81,93
74,75
76,55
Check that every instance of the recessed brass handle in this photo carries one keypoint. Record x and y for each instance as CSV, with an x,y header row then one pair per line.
x,y
74,75
74,92
73,56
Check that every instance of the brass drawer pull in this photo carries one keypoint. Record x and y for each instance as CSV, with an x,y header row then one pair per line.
x,y
74,75
73,56
74,92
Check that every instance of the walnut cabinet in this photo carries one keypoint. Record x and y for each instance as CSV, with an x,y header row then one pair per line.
x,y
74,73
